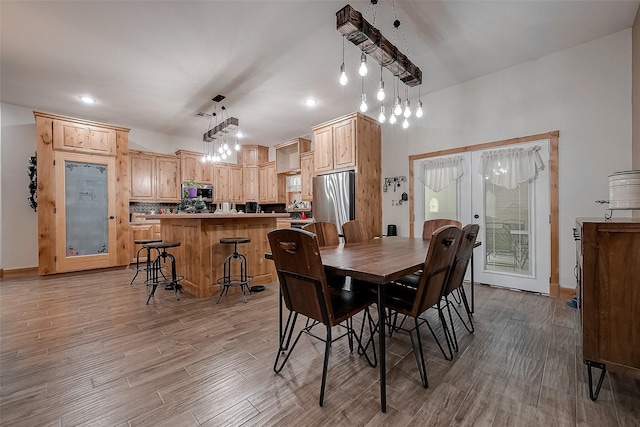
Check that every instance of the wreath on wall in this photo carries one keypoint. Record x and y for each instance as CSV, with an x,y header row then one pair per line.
x,y
32,170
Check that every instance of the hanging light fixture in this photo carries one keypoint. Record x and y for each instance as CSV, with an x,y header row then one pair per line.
x,y
363,70
419,110
363,98
405,124
343,74
382,118
218,135
381,95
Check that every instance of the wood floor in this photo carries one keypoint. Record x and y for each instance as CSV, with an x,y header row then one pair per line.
x,y
86,350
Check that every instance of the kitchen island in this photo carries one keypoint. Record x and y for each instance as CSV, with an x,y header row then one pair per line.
x,y
200,256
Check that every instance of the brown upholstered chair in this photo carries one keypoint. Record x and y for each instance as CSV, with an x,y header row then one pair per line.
x,y
306,291
432,225
412,302
354,232
456,278
327,233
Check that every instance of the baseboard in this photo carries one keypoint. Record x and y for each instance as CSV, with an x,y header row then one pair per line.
x,y
19,272
567,293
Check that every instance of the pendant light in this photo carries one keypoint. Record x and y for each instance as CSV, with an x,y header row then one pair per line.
x,y
363,70
363,105
405,124
343,74
419,111
382,118
407,104
392,119
381,95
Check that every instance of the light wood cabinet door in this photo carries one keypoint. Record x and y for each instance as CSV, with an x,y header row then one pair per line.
x,y
192,168
323,153
268,183
250,186
79,137
235,184
253,155
344,144
306,176
220,183
142,176
167,186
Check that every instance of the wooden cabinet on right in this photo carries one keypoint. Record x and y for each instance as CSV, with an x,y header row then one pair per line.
x,y
354,142
608,266
306,176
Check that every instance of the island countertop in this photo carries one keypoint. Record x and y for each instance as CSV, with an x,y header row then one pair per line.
x,y
200,257
218,215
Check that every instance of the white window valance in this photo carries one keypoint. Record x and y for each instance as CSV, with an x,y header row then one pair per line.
x,y
509,167
438,173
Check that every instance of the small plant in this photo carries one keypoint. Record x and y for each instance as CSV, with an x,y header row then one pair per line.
x,y
191,189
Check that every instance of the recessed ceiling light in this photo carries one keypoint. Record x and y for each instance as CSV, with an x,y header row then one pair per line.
x,y
87,99
310,102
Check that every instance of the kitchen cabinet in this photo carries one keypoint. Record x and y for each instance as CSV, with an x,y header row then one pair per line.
x,y
306,176
154,177
283,223
335,143
253,155
288,154
227,183
83,179
608,268
250,185
139,232
236,188
192,168
271,185
82,137
353,142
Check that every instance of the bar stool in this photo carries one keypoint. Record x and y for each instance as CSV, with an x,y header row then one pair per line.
x,y
172,282
137,268
228,280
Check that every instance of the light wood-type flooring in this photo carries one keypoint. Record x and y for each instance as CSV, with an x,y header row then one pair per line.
x,y
86,350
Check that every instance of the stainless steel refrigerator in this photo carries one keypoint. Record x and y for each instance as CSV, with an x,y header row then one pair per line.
x,y
334,198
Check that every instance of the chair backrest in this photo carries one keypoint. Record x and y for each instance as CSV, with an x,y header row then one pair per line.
x,y
442,250
303,283
462,258
326,232
354,232
432,225
499,240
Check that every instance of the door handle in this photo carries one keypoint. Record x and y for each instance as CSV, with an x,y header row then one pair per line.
x,y
476,216
112,217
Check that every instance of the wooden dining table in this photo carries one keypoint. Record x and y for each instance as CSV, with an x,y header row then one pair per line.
x,y
378,261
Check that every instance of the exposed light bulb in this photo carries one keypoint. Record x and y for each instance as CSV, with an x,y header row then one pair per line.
x,y
392,119
382,118
407,109
405,124
419,111
381,93
237,147
224,156
228,152
225,147
343,76
204,158
220,150
363,104
209,157
398,108
363,70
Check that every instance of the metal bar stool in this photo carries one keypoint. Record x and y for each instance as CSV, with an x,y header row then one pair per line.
x,y
146,268
228,280
172,282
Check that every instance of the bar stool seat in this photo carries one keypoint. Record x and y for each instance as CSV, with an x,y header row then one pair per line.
x,y
137,268
172,282
243,279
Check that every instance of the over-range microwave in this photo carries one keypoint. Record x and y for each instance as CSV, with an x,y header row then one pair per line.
x,y
204,191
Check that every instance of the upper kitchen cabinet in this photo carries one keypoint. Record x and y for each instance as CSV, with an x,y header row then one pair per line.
x,y
83,194
288,154
306,176
250,188
253,155
345,142
193,169
272,186
227,183
83,137
154,177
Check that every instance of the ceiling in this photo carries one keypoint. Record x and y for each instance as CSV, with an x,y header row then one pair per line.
x,y
154,65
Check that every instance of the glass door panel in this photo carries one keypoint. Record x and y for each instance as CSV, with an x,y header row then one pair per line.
x,y
85,221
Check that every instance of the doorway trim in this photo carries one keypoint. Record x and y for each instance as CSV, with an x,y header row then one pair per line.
x,y
552,136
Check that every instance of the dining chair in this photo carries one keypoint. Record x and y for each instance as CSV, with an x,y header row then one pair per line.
x,y
431,225
500,243
354,232
412,302
327,233
456,279
306,291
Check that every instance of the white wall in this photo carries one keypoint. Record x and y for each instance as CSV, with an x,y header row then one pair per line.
x,y
19,234
584,92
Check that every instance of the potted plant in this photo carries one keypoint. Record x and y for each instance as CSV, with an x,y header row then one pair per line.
x,y
191,189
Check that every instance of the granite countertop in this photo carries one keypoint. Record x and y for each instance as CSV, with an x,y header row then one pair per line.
x,y
218,216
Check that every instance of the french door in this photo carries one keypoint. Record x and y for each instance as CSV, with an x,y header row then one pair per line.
x,y
85,220
514,223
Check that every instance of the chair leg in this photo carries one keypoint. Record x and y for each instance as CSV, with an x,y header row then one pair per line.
x,y
447,355
327,350
419,355
454,338
281,349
